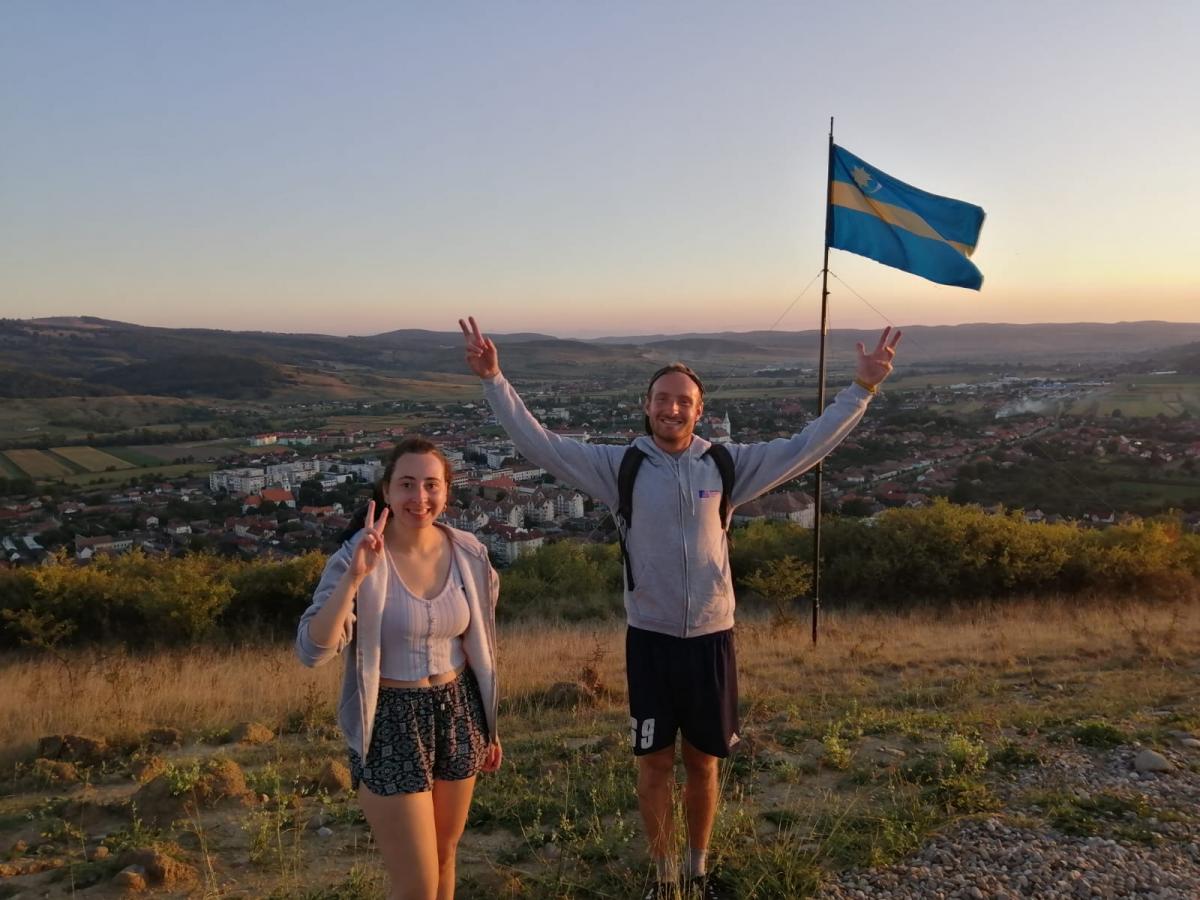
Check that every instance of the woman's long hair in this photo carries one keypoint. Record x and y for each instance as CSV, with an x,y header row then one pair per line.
x,y
406,446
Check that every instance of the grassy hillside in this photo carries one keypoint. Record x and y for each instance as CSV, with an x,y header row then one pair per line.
x,y
894,732
197,375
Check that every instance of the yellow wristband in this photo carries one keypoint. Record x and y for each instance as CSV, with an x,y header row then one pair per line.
x,y
869,388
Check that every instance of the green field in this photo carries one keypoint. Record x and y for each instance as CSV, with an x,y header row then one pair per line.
x,y
89,459
71,418
8,469
136,457
1167,395
376,423
94,479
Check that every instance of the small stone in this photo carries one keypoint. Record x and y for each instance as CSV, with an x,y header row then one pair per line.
x,y
56,771
569,694
131,878
19,848
585,743
264,798
100,852
147,768
316,822
165,737
325,831
1190,742
158,868
73,748
1150,761
334,777
251,733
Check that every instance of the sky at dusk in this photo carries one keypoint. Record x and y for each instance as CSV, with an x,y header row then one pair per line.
x,y
586,169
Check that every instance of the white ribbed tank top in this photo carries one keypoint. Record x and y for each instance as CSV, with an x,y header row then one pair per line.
x,y
423,637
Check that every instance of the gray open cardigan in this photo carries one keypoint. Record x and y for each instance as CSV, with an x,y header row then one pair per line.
x,y
360,684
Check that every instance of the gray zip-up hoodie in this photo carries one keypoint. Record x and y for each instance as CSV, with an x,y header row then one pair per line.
x,y
360,683
676,541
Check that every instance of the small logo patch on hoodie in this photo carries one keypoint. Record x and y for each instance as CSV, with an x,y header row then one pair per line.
x,y
704,495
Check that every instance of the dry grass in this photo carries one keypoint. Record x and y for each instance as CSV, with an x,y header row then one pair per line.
x,y
816,787
37,464
206,689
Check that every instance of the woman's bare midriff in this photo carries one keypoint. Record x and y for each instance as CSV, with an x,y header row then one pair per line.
x,y
431,681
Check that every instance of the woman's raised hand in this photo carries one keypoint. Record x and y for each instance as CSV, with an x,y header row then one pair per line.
x,y
482,355
370,549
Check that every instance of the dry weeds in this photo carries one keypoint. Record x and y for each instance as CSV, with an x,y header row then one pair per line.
x,y
205,689
823,724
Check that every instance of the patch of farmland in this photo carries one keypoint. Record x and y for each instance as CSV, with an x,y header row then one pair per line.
x,y
136,457
37,464
8,469
199,451
91,459
125,476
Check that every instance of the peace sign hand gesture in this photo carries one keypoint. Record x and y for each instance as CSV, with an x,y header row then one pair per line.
x,y
370,549
482,356
875,366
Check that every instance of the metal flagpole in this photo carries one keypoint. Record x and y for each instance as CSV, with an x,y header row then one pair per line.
x,y
816,558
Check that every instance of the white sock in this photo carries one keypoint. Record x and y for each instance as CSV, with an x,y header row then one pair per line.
x,y
697,862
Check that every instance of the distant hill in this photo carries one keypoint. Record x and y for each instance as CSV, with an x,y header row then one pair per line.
x,y
1184,359
415,336
197,375
87,356
981,342
704,345
18,383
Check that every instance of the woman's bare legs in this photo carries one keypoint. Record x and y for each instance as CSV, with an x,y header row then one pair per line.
x,y
418,837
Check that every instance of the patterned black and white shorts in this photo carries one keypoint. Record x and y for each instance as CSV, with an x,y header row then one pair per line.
x,y
422,734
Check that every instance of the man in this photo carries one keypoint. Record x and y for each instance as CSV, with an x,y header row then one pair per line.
x,y
679,651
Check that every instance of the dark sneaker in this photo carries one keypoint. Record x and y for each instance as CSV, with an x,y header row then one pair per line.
x,y
708,887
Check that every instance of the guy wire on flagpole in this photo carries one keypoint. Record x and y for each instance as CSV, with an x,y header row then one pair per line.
x,y
816,552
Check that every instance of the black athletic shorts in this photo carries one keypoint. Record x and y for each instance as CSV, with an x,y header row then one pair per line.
x,y
682,684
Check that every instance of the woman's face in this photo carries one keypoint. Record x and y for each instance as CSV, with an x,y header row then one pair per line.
x,y
417,490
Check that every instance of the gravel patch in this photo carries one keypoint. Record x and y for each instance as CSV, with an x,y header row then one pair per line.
x,y
996,859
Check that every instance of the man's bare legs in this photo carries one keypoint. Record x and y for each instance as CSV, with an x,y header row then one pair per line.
x,y
656,777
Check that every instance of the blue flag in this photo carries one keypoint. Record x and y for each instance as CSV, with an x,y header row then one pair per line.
x,y
899,225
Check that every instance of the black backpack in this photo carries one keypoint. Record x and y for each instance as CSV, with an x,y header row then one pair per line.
x,y
631,462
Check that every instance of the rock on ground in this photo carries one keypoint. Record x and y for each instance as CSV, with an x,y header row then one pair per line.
x,y
334,777
251,733
73,748
160,870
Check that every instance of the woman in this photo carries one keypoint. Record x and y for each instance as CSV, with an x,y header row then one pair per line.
x,y
414,601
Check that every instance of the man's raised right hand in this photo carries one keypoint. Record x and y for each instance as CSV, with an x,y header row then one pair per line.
x,y
482,355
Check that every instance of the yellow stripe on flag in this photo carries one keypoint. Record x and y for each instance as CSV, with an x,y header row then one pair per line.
x,y
849,196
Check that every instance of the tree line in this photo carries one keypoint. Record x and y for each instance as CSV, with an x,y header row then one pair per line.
x,y
940,555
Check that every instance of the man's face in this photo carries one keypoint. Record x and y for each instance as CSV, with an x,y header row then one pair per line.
x,y
673,407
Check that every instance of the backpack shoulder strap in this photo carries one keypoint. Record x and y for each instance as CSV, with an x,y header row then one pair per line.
x,y
630,463
724,459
